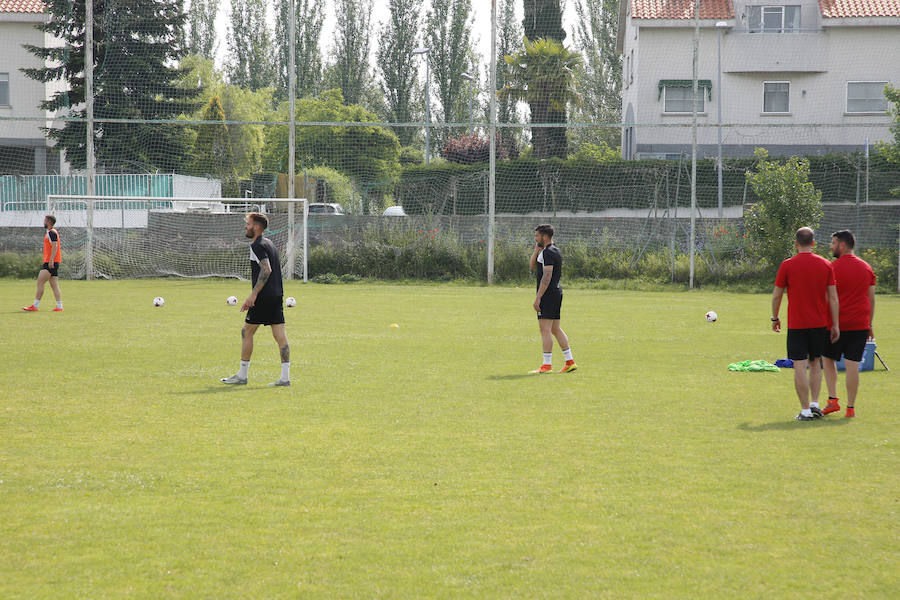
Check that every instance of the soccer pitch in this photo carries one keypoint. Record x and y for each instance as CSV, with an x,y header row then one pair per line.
x,y
422,460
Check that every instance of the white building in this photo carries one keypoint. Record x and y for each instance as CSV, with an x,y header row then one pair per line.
x,y
797,77
24,148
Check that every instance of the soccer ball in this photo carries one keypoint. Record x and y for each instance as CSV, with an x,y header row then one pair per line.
x,y
158,301
232,301
711,316
290,302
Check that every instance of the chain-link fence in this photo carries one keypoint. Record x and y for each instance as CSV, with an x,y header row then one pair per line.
x,y
447,126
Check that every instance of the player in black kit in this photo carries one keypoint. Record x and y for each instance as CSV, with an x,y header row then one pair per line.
x,y
264,304
546,261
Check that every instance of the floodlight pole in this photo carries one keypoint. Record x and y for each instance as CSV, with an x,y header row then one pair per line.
x,y
694,140
470,79
492,133
292,93
90,162
720,26
424,52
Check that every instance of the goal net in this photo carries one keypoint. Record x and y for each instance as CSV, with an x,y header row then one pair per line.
x,y
116,237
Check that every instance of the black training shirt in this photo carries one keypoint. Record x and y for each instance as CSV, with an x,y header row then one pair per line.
x,y
261,249
549,256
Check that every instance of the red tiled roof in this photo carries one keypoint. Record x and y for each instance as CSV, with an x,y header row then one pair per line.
x,y
859,8
21,6
684,9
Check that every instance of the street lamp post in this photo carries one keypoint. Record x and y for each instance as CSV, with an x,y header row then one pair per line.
x,y
424,51
720,26
470,79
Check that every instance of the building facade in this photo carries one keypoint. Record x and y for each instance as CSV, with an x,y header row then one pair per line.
x,y
797,76
24,147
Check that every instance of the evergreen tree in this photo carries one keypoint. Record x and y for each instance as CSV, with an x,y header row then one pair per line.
x,y
309,15
397,64
543,19
135,46
602,75
202,27
349,69
448,35
250,45
213,156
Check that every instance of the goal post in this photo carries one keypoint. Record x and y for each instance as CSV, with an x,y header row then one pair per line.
x,y
115,237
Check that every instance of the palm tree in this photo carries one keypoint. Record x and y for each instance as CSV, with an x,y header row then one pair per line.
x,y
543,74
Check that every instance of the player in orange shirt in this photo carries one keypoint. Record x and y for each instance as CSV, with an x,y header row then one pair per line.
x,y
50,268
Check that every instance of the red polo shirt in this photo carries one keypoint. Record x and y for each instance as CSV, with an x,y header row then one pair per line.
x,y
806,277
854,276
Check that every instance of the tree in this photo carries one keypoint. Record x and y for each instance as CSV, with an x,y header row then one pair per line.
x,y
249,45
134,78
543,74
601,78
543,19
891,151
202,27
509,41
397,64
309,16
368,154
238,104
349,69
448,32
213,156
787,201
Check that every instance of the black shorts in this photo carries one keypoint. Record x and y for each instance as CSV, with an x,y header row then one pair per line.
x,y
551,304
803,344
267,310
851,344
54,272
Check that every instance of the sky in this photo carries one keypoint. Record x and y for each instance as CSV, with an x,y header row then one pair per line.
x,y
481,33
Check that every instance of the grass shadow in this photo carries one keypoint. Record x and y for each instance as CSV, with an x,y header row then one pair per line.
x,y
789,425
510,377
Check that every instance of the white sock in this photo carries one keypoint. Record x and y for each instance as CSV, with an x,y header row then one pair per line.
x,y
805,412
567,354
59,304
814,404
285,371
548,358
245,367
37,302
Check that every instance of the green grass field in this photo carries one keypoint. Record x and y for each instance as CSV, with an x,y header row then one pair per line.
x,y
422,461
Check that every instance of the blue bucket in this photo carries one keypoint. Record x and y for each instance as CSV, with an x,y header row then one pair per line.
x,y
868,358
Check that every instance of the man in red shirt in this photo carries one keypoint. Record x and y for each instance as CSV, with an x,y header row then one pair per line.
x,y
812,306
856,294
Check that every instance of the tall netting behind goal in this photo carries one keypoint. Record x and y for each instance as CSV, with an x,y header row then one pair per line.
x,y
127,237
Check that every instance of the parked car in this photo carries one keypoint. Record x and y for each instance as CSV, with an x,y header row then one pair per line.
x,y
325,208
394,211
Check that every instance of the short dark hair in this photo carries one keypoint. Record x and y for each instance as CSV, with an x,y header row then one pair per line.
x,y
846,236
53,220
258,218
805,236
546,229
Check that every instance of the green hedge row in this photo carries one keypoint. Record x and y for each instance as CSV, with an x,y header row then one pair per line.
x,y
526,184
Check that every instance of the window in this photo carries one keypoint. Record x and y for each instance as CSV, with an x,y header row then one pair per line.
x,y
678,99
631,70
774,19
776,97
4,89
866,97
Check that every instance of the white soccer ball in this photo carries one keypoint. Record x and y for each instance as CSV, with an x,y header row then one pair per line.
x,y
159,301
290,302
232,301
711,316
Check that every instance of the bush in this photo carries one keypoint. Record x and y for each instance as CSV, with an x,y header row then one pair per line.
x,y
18,265
471,149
